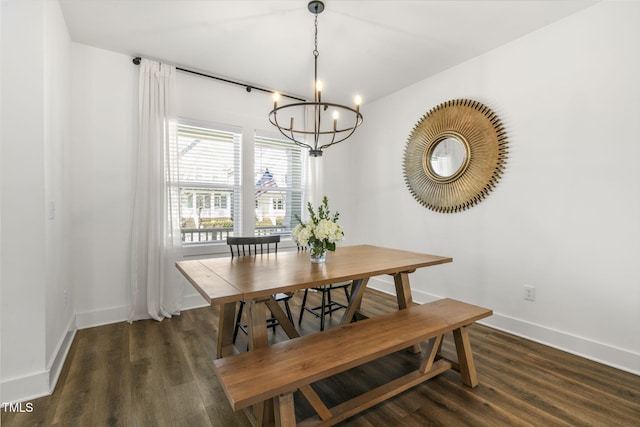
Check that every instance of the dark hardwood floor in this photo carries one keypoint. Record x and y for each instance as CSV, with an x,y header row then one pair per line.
x,y
160,374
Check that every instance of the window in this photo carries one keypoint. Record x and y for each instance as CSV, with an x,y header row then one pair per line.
x,y
220,201
209,166
203,201
278,168
186,199
212,191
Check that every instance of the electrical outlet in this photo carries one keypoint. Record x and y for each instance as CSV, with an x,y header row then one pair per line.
x,y
529,293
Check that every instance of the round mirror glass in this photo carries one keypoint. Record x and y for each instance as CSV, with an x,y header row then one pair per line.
x,y
448,156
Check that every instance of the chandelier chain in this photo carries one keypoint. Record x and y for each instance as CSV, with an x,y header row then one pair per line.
x,y
315,50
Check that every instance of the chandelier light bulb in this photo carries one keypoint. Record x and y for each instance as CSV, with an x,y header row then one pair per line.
x,y
276,98
319,86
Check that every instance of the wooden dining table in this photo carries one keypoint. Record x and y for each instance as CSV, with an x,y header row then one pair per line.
x,y
225,281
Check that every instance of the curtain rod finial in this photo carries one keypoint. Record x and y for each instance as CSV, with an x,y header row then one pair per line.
x,y
136,60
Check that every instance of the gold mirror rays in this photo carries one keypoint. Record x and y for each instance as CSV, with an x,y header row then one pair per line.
x,y
455,155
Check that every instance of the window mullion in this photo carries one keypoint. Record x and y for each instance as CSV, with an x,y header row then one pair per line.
x,y
248,216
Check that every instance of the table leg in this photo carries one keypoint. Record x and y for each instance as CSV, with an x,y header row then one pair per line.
x,y
403,290
256,323
257,327
226,323
282,318
403,294
264,413
307,391
355,301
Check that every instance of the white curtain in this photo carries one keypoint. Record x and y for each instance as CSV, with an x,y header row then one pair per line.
x,y
156,287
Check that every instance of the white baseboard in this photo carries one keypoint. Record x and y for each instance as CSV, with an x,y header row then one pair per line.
x,y
606,354
60,355
26,388
107,316
580,346
41,383
89,319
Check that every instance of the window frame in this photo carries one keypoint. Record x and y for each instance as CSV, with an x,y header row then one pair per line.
x,y
245,165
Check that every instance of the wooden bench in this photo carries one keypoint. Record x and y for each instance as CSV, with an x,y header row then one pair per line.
x,y
281,369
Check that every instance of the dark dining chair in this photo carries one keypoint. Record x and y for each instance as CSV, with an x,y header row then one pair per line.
x,y
254,246
327,305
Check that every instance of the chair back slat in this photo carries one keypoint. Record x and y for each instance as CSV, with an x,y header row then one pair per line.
x,y
251,246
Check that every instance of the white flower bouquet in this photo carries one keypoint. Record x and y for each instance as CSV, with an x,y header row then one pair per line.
x,y
321,232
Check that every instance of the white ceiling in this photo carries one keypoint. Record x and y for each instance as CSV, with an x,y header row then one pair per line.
x,y
373,48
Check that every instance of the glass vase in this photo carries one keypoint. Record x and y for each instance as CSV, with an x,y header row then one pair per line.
x,y
317,255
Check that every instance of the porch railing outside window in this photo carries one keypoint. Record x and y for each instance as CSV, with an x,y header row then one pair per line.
x,y
218,235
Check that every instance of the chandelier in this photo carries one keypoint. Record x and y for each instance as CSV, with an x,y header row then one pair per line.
x,y
326,131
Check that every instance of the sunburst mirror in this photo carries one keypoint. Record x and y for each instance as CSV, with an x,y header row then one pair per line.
x,y
455,155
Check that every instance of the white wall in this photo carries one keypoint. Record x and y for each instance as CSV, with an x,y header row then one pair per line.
x,y
35,129
57,135
23,333
565,217
104,111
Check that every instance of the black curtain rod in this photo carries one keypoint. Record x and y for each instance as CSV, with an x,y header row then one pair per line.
x,y
249,88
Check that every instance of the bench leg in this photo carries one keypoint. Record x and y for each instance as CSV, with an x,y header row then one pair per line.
x,y
285,412
315,401
433,347
465,357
